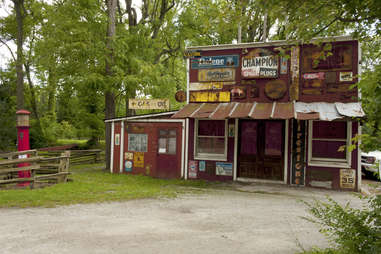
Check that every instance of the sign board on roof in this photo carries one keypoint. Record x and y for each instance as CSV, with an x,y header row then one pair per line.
x,y
148,104
215,62
222,74
260,63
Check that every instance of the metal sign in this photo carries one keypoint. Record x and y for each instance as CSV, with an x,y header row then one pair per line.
x,y
208,86
215,62
317,75
260,63
224,169
192,53
223,74
139,159
346,76
294,66
209,96
148,104
347,178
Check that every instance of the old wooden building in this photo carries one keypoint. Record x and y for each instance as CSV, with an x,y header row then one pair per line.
x,y
275,112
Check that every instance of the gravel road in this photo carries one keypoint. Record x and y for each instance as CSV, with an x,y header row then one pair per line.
x,y
249,219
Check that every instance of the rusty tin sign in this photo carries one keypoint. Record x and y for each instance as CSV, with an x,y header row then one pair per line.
x,y
316,75
222,74
294,88
347,178
260,63
206,62
209,96
208,86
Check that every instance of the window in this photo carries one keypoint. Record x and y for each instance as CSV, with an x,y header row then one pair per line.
x,y
325,139
211,139
137,142
167,142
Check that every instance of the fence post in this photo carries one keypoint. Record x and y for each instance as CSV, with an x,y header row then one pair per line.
x,y
64,166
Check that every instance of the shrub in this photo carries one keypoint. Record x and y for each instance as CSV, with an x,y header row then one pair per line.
x,y
350,230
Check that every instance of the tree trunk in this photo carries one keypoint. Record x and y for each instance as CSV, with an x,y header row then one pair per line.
x,y
109,94
18,5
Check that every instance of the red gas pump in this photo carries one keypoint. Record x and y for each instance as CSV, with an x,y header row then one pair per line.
x,y
23,140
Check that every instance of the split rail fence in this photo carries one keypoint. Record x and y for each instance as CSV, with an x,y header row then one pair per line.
x,y
42,169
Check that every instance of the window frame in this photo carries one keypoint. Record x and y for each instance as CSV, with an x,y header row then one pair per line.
x,y
329,162
167,137
210,156
128,142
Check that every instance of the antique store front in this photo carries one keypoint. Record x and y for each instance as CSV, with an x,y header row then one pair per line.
x,y
273,112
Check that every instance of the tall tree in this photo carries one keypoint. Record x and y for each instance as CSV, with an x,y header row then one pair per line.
x,y
19,9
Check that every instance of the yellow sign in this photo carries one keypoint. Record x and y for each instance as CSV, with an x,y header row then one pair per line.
x,y
347,178
210,96
220,74
148,104
208,86
139,159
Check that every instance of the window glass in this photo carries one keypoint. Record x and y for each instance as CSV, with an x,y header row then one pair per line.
x,y
328,149
211,128
211,145
330,130
249,143
172,145
137,142
273,138
162,145
172,132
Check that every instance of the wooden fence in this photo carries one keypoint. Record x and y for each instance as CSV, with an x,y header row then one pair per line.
x,y
42,170
77,156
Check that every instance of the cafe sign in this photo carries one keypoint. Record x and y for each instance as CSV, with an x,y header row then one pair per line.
x,y
215,62
260,63
148,104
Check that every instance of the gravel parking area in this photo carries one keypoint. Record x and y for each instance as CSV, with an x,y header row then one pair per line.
x,y
249,219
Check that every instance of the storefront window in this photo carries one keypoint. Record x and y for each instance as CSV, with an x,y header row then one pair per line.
x,y
325,140
137,142
211,139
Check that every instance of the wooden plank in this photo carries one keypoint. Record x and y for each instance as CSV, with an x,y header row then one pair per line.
x,y
26,168
17,180
52,175
6,155
17,161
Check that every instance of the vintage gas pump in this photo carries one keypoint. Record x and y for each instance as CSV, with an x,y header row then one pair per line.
x,y
23,139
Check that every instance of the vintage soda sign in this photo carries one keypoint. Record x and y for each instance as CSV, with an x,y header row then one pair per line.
x,y
215,62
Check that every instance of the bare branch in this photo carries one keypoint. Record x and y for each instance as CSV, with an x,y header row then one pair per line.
x,y
9,49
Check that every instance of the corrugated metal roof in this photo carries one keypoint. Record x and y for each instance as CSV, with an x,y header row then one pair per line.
x,y
222,111
283,111
262,111
327,111
301,110
205,111
187,110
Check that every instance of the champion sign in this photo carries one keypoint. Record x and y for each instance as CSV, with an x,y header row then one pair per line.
x,y
260,67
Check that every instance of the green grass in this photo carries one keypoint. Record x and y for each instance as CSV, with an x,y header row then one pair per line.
x,y
91,184
61,142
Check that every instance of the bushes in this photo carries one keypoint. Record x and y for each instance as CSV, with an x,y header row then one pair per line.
x,y
350,230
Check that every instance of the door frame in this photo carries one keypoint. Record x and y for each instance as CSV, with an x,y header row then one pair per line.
x,y
285,166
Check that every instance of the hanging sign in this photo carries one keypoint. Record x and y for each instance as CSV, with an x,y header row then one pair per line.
x,y
260,63
215,62
148,104
223,74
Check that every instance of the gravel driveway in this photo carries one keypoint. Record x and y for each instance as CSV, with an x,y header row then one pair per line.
x,y
250,219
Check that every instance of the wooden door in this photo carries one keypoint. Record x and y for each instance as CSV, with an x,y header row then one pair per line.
x,y
260,151
167,154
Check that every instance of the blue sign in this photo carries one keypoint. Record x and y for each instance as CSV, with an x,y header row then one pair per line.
x,y
128,166
205,62
224,169
201,166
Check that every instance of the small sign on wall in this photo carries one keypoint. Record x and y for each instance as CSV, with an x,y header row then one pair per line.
x,y
201,165
139,159
224,169
128,166
117,139
346,76
347,178
193,165
231,130
128,156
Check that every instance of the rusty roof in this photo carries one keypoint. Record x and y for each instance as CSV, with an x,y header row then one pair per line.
x,y
275,110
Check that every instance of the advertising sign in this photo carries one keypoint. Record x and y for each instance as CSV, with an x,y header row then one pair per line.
x,y
193,165
128,166
260,63
209,96
148,104
215,62
139,159
346,76
224,169
317,75
223,74
347,178
208,86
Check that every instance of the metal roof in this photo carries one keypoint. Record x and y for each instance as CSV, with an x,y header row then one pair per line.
x,y
255,110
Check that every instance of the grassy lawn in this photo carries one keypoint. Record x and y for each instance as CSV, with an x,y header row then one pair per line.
x,y
91,184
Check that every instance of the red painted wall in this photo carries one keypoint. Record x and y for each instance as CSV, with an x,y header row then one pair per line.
x,y
150,157
209,175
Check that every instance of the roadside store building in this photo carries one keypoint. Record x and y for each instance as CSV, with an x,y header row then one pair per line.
x,y
268,112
